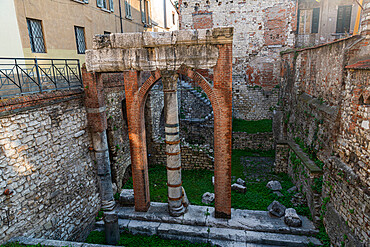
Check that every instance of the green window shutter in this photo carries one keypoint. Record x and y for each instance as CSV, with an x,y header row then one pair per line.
x,y
344,19
99,3
315,20
298,16
111,7
86,1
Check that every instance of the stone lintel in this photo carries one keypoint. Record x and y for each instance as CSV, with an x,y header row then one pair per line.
x,y
149,51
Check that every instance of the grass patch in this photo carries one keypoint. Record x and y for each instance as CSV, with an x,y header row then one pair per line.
x,y
197,182
252,127
130,240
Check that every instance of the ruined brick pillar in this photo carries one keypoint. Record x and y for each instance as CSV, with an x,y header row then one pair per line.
x,y
365,19
223,131
97,121
173,151
136,130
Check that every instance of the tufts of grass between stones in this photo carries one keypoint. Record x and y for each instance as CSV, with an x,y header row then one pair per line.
x,y
197,182
130,240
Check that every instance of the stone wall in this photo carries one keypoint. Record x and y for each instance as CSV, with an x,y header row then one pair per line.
x,y
192,156
48,177
324,93
257,141
262,30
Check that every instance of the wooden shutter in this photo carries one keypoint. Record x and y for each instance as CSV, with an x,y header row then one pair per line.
x,y
315,20
344,19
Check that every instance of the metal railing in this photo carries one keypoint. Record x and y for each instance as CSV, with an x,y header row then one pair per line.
x,y
19,76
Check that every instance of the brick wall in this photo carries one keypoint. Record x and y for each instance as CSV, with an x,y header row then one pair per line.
x,y
262,29
46,164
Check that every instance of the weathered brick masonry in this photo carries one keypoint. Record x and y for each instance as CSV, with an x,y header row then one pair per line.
x,y
262,30
46,165
325,100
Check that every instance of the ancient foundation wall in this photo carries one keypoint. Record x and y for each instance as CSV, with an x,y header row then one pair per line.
x,y
257,141
262,29
47,175
324,96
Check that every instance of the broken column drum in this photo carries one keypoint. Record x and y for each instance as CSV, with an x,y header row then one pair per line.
x,y
173,150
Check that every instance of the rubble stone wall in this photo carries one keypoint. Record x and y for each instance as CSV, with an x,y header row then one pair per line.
x,y
262,29
48,178
325,108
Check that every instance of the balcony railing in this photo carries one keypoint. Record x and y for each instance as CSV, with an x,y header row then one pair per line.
x,y
19,76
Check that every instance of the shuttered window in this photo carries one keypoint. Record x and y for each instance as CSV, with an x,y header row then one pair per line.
x,y
315,20
36,36
128,9
344,19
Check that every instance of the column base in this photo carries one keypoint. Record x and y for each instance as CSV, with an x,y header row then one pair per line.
x,y
222,215
177,212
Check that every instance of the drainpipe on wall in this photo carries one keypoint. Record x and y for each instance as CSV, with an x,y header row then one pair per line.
x,y
120,15
165,14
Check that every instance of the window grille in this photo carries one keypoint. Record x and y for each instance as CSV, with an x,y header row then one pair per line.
x,y
80,40
36,36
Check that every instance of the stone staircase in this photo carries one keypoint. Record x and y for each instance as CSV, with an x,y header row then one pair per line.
x,y
245,228
201,99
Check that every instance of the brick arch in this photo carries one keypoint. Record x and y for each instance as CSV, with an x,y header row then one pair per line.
x,y
220,96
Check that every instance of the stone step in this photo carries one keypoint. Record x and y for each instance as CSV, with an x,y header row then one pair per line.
x,y
248,220
214,235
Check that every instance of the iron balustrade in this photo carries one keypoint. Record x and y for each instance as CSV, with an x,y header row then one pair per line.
x,y
19,76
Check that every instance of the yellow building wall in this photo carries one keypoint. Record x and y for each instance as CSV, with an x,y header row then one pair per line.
x,y
10,40
59,19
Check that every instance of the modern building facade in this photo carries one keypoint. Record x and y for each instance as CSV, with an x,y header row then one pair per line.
x,y
322,21
65,28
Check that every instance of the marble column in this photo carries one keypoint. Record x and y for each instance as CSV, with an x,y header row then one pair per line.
x,y
100,145
177,201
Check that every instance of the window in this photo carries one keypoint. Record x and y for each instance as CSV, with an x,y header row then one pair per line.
x,y
144,7
104,4
344,19
36,36
315,20
173,18
81,1
128,9
80,40
107,33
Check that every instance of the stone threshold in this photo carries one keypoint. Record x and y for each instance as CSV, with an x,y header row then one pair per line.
x,y
246,227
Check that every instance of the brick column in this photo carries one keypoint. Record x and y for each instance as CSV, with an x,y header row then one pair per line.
x,y
173,151
365,19
97,121
223,131
136,131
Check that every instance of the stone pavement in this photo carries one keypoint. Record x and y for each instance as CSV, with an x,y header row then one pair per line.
x,y
245,228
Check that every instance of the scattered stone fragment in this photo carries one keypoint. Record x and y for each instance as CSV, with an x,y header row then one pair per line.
x,y
298,199
274,185
291,218
208,198
278,193
127,197
276,209
293,189
239,188
240,181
